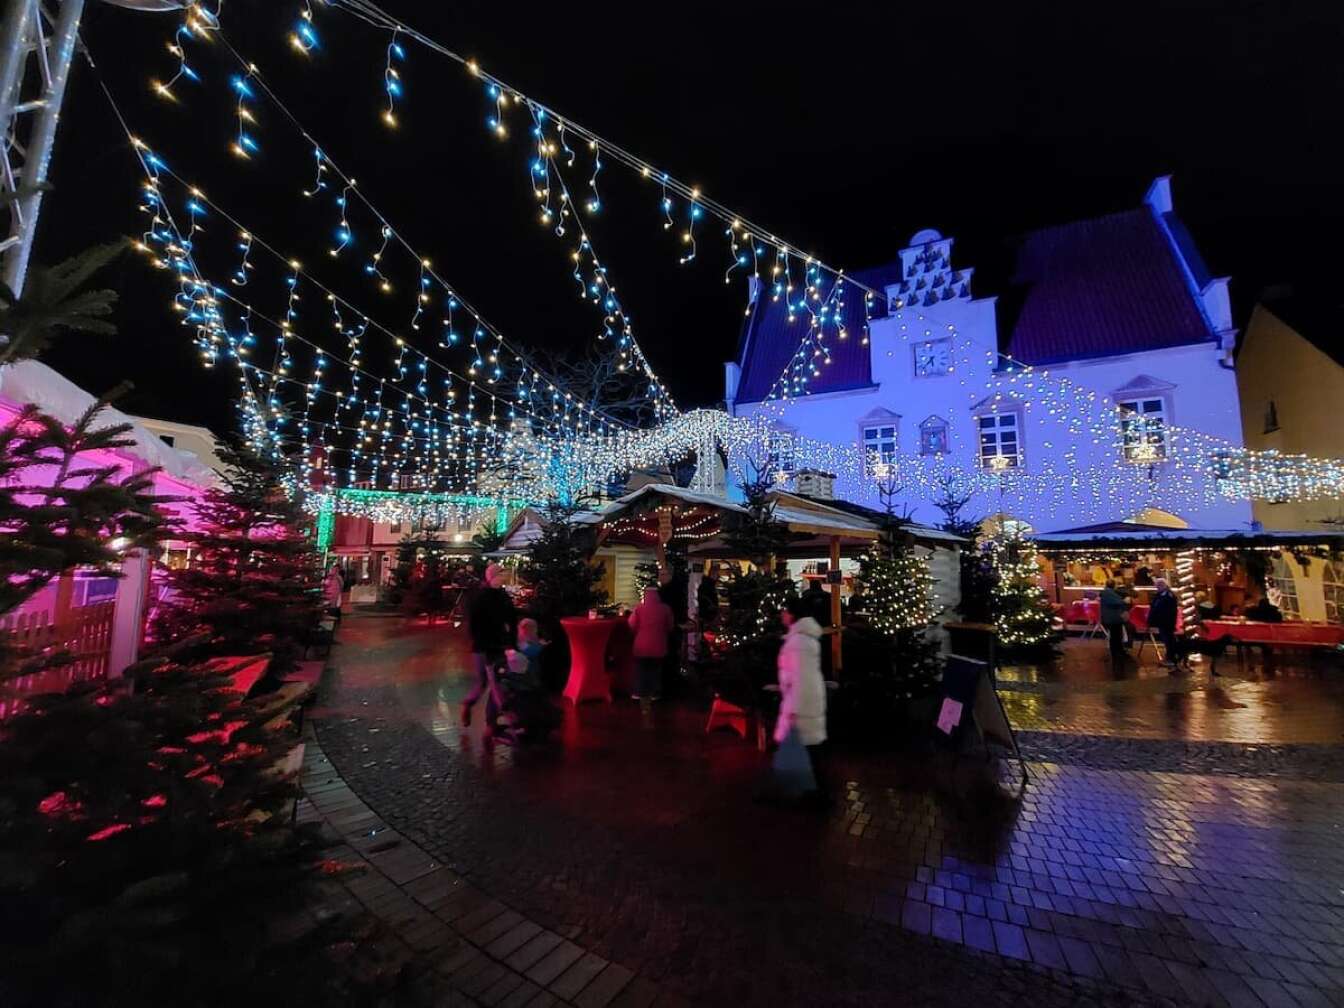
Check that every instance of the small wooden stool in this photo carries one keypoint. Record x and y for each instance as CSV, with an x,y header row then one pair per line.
x,y
722,713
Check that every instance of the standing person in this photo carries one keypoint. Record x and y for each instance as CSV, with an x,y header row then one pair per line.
x,y
652,623
802,706
1113,610
1162,618
818,601
333,587
707,599
493,623
858,601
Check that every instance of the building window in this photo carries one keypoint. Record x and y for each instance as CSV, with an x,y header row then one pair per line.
x,y
933,357
933,436
779,456
1000,441
167,439
1333,578
1281,587
1143,430
879,446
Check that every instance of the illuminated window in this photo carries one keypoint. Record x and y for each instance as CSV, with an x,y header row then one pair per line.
x,y
1281,587
933,436
879,447
780,460
1333,578
1000,440
1143,430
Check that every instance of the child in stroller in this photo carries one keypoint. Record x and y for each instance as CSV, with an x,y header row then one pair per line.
x,y
526,712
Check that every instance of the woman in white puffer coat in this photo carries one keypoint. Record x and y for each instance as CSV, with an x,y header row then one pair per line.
x,y
802,690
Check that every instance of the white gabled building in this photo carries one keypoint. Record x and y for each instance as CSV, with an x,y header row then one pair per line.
x,y
1121,305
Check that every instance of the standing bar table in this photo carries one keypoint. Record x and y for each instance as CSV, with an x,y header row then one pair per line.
x,y
588,678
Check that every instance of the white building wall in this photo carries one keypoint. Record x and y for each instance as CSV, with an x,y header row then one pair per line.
x,y
1201,394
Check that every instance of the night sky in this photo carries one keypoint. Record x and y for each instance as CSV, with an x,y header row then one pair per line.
x,y
844,127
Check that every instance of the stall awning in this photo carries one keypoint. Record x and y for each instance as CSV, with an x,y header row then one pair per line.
x,y
1169,538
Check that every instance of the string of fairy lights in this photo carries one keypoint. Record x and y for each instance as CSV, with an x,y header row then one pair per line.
x,y
502,428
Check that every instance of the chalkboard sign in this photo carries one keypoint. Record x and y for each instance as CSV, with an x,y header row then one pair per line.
x,y
971,703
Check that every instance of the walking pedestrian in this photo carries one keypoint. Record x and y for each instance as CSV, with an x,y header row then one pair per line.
x,y
493,624
802,706
333,587
1162,619
652,623
1114,609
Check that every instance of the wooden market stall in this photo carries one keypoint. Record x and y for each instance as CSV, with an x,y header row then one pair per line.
x,y
1223,571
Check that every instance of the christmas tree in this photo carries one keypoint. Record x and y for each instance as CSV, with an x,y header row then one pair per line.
x,y
254,581
756,594
899,610
58,511
898,586
1022,615
558,569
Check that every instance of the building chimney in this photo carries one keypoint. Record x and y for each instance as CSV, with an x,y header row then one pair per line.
x,y
815,483
1159,195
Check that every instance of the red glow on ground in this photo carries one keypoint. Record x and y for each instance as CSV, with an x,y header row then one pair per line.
x,y
58,803
108,831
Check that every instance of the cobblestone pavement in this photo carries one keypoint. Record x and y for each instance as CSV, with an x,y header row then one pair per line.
x,y
1290,701
930,883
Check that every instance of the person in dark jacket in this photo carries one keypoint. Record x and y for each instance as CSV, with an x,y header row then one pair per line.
x,y
707,599
1162,619
1264,611
493,624
1113,611
818,602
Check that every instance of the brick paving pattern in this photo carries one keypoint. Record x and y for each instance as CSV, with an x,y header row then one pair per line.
x,y
627,864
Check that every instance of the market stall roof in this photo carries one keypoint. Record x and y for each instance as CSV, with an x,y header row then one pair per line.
x,y
1160,537
33,382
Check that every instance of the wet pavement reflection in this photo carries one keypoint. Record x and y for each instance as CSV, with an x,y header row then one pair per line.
x,y
636,832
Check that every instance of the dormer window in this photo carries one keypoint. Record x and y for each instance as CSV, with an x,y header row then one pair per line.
x,y
1143,430
933,436
1144,404
879,440
780,459
1000,440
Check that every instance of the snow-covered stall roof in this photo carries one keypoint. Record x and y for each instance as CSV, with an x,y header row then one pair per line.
x,y
34,382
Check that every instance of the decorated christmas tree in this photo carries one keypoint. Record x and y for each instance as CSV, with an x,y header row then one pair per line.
x,y
558,567
1022,616
755,595
898,587
253,584
899,608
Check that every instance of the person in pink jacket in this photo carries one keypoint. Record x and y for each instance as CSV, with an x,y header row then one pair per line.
x,y
651,623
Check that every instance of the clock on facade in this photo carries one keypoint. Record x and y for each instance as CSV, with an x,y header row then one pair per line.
x,y
933,357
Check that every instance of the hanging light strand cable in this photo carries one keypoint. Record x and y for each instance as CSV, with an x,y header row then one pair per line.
x,y
388,229
256,241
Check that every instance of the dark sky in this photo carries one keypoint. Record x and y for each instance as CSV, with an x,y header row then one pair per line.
x,y
843,126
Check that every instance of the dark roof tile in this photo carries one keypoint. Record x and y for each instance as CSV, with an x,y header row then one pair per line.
x,y
1101,287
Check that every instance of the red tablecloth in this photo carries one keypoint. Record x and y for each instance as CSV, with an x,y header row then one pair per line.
x,y
1289,633
588,679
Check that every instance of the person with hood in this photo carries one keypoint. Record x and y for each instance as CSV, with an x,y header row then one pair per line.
x,y
493,625
1162,619
333,587
802,691
651,623
1113,611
